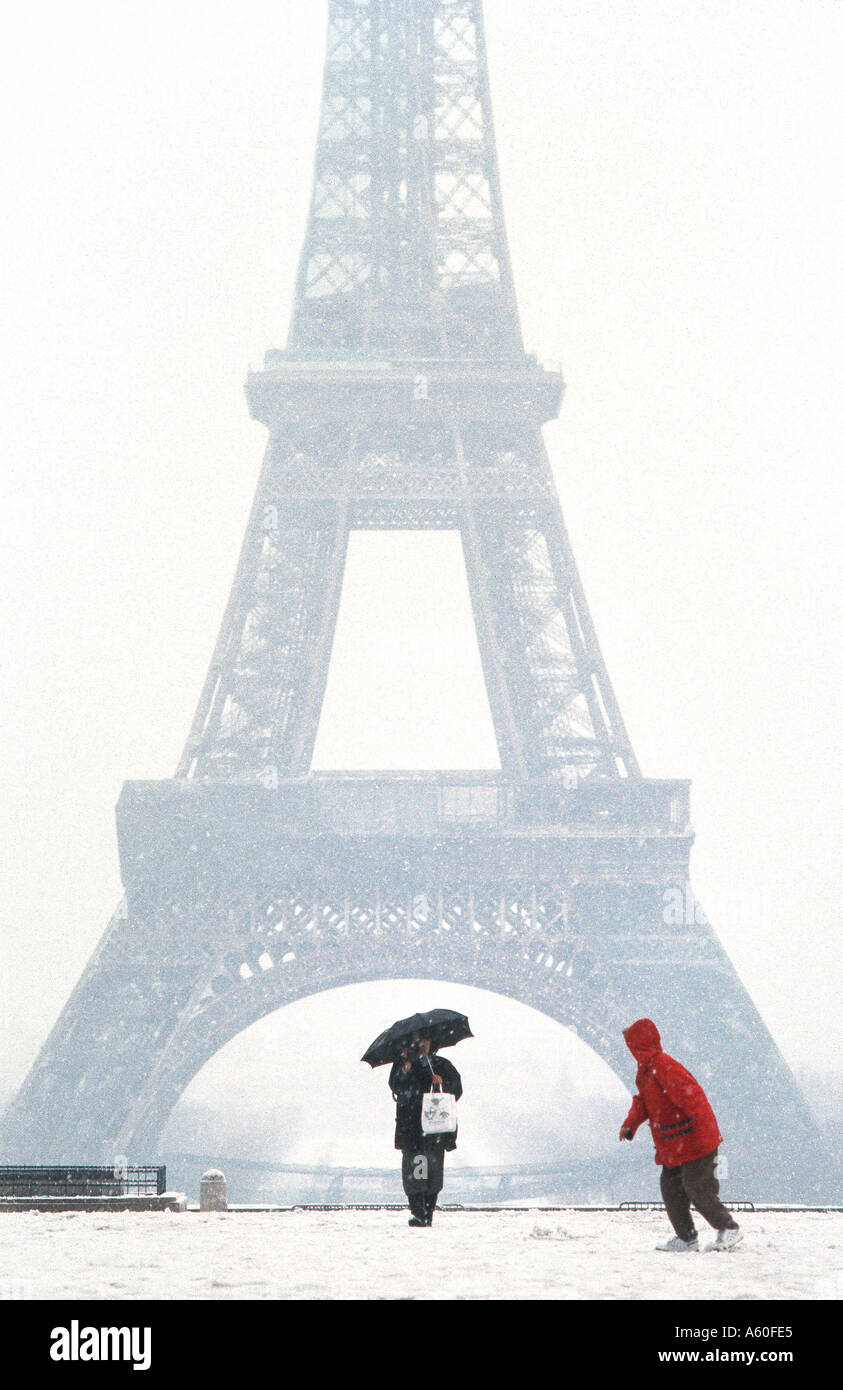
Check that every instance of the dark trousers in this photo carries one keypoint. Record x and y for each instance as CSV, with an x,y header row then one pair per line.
x,y
422,1173
694,1184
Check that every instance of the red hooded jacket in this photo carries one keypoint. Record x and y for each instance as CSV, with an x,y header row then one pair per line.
x,y
681,1120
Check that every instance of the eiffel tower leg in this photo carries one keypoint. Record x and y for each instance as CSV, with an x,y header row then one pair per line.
x,y
666,963
259,711
74,1102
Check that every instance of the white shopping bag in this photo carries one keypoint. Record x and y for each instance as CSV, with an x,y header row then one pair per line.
x,y
439,1113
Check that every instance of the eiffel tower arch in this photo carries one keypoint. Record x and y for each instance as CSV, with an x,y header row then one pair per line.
x,y
405,399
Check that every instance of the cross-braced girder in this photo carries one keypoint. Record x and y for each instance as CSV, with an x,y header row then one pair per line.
x,y
406,229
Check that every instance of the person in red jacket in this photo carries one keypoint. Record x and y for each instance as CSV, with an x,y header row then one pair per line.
x,y
686,1137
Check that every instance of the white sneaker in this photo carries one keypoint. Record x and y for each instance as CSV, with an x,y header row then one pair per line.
x,y
727,1240
678,1246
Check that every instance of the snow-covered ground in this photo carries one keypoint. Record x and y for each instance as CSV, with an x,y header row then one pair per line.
x,y
348,1254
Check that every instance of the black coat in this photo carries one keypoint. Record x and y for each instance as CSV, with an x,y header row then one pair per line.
x,y
407,1089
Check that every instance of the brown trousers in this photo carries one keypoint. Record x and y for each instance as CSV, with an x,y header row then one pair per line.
x,y
694,1184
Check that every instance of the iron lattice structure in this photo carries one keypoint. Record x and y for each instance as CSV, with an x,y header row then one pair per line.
x,y
405,399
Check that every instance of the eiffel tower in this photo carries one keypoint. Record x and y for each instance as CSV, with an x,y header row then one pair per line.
x,y
405,400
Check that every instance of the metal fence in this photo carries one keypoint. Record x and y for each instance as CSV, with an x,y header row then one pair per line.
x,y
71,1181
659,1206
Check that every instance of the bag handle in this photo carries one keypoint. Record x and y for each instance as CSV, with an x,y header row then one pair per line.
x,y
433,1073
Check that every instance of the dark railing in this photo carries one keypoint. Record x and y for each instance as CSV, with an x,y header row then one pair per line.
x,y
659,1206
72,1181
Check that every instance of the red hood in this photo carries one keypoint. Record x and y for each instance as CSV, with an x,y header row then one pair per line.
x,y
642,1039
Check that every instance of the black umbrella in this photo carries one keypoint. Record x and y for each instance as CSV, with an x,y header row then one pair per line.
x,y
444,1027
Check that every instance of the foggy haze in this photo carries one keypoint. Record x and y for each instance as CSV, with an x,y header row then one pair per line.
x,y
670,180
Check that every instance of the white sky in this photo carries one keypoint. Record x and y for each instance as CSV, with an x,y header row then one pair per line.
x,y
671,180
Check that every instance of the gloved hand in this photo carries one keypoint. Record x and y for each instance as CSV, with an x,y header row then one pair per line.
x,y
626,1133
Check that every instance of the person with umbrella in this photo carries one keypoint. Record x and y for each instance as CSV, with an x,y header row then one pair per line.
x,y
415,1070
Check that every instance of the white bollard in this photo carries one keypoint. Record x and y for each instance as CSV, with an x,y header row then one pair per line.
x,y
213,1195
